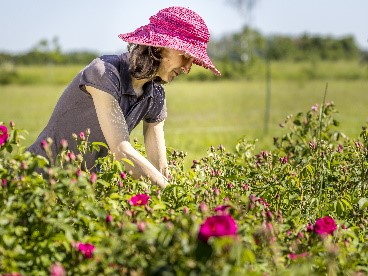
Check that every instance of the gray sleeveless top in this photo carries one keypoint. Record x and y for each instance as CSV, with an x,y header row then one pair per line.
x,y
75,111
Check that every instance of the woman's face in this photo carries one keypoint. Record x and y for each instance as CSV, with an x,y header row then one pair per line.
x,y
173,63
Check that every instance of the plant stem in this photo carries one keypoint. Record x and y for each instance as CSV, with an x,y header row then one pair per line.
x,y
319,143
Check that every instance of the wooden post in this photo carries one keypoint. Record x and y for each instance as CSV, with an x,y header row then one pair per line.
x,y
268,95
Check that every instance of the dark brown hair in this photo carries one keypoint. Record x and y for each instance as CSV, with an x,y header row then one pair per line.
x,y
144,61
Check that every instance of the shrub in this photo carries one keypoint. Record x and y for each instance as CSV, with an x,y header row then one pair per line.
x,y
298,209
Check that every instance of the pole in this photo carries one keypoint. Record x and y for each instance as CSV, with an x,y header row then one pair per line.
x,y
268,95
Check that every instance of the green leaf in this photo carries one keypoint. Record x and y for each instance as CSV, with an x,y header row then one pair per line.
x,y
347,204
100,144
310,169
126,160
116,196
4,221
8,240
248,256
363,203
103,183
159,206
119,166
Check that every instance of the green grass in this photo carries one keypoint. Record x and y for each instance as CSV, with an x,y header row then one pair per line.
x,y
202,114
302,71
29,107
51,74
205,114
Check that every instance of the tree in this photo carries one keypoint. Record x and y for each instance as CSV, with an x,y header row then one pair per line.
x,y
245,7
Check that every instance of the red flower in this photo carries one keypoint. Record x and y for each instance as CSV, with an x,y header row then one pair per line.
x,y
217,226
139,199
3,135
325,226
86,249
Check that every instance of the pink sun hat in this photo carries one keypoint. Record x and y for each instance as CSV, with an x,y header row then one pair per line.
x,y
176,28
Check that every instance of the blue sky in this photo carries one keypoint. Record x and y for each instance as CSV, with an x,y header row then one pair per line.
x,y
95,24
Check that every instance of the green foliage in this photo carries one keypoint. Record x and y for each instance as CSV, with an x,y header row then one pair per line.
x,y
311,47
46,53
250,44
7,77
237,55
274,196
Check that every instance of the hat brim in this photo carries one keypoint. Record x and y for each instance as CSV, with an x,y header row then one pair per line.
x,y
197,51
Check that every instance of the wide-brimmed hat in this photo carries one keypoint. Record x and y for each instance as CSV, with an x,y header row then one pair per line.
x,y
176,28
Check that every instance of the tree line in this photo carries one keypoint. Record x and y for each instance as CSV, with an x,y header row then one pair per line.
x,y
235,54
47,52
250,44
241,47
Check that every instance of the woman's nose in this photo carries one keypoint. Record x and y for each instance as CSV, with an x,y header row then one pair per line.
x,y
186,68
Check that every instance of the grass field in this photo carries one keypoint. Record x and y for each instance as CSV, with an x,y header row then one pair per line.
x,y
202,114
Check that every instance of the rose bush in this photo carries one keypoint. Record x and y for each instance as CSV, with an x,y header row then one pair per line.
x,y
233,213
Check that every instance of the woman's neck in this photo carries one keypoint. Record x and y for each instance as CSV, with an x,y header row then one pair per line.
x,y
138,86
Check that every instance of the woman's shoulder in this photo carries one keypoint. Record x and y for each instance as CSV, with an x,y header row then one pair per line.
x,y
118,61
158,89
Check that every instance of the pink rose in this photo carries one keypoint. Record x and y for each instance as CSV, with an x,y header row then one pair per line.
x,y
109,218
309,227
294,256
64,143
44,144
203,207
93,177
217,226
216,192
3,135
283,160
123,175
139,199
325,226
82,136
141,226
86,249
57,270
4,182
222,209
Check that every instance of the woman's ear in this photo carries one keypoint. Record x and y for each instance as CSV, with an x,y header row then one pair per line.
x,y
155,52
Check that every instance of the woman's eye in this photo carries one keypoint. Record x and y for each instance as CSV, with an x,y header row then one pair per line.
x,y
186,57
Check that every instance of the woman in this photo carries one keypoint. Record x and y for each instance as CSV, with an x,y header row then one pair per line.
x,y
115,92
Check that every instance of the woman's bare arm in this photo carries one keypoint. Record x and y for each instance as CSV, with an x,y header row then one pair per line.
x,y
115,131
